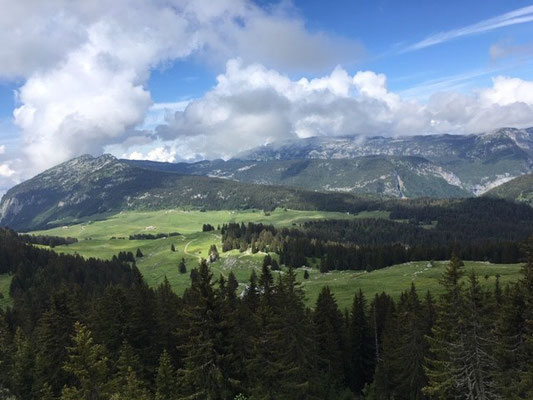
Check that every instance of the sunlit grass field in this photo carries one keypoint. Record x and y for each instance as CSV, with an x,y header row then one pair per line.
x,y
105,238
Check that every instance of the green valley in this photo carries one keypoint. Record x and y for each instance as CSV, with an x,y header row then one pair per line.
x,y
107,237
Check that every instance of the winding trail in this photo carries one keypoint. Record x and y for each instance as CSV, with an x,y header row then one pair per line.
x,y
190,254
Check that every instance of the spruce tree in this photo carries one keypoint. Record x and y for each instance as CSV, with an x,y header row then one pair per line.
x,y
204,374
412,348
182,268
251,294
447,335
133,388
54,333
330,343
6,352
361,345
127,361
166,379
139,253
21,366
167,305
88,365
474,356
172,247
526,287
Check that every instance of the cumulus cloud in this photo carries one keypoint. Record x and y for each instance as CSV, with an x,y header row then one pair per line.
x,y
162,154
252,105
85,65
6,171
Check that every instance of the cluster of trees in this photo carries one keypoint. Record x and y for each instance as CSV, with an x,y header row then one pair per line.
x,y
150,236
207,228
87,329
47,240
377,243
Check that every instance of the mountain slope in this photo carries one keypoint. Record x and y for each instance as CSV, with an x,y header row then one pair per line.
x,y
381,175
479,162
86,186
519,189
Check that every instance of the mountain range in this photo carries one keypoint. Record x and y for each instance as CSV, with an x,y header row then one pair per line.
x,y
341,174
412,166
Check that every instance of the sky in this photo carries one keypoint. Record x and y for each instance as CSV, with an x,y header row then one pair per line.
x,y
185,80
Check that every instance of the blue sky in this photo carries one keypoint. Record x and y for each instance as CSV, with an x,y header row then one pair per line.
x,y
184,80
385,28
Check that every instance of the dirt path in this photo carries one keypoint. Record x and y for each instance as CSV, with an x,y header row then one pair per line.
x,y
190,254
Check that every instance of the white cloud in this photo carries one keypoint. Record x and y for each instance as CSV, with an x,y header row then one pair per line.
x,y
86,64
6,171
252,105
162,154
518,16
2,149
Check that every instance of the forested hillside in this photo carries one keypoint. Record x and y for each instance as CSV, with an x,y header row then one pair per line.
x,y
477,229
94,330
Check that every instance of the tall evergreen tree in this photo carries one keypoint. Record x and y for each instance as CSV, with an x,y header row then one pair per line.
x,y
54,334
88,364
6,351
361,345
330,343
412,348
204,374
166,379
22,364
448,334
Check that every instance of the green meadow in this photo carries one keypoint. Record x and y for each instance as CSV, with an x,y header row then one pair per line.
x,y
104,238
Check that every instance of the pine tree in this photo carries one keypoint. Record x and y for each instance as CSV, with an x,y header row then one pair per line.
x,y
22,366
127,361
447,335
267,261
139,253
167,305
266,284
323,266
133,388
251,294
233,284
126,383
87,363
182,268
411,348
166,380
213,253
361,345
306,274
172,247
330,343
54,334
526,287
473,355
204,374
5,356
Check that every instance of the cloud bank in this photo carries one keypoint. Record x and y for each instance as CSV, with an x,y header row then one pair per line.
x,y
85,73
252,105
85,65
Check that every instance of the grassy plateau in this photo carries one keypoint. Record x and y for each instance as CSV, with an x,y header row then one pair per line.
x,y
105,238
